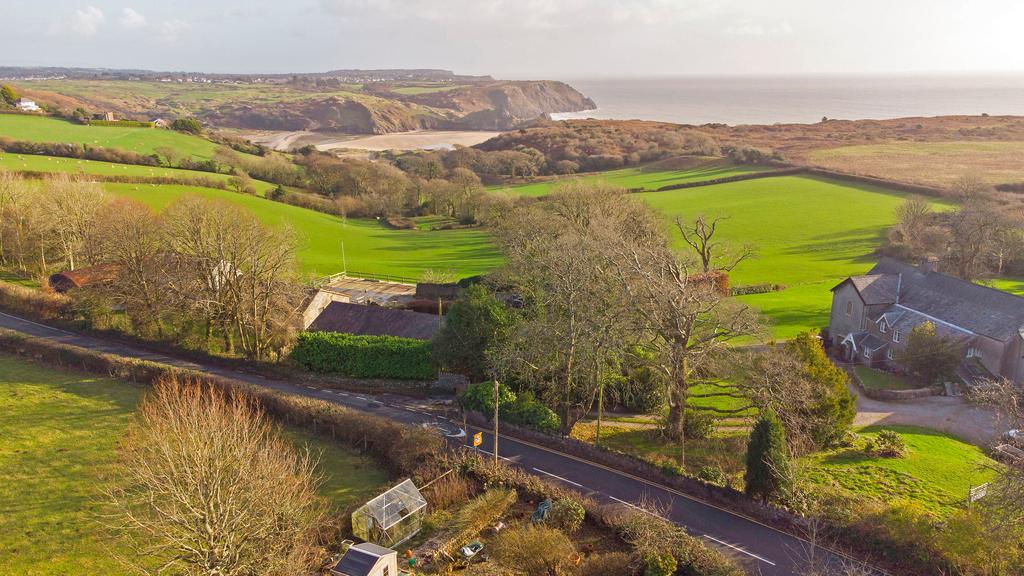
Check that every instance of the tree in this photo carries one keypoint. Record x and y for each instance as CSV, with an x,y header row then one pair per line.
x,y
8,95
534,549
190,125
172,157
475,323
713,255
207,486
241,183
970,187
927,355
69,210
768,472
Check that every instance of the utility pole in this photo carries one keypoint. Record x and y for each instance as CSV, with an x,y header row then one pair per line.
x,y
344,262
495,423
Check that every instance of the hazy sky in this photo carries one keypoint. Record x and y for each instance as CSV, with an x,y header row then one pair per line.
x,y
520,38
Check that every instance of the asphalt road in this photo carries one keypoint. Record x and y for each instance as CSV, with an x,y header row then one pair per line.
x,y
760,548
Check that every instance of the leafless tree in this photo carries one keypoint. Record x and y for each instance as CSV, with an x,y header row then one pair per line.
x,y
68,213
206,486
712,254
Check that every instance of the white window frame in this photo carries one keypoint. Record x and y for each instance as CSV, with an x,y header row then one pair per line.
x,y
896,336
867,353
888,353
973,352
881,326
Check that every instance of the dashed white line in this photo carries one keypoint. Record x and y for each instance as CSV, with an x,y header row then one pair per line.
x,y
741,550
566,480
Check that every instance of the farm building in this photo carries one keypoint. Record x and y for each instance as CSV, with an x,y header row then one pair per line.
x,y
63,282
375,321
341,288
26,105
872,315
367,559
391,518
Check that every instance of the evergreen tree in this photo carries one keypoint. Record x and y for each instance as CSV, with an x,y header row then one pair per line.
x,y
7,95
833,406
474,323
929,356
768,472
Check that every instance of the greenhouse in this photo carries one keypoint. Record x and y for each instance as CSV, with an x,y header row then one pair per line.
x,y
391,518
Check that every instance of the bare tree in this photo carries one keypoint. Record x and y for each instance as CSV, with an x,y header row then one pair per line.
x,y
712,254
69,209
207,486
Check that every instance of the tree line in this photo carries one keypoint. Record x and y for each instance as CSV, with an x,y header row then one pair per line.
x,y
202,273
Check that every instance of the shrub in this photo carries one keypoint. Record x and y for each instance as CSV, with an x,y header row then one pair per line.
x,y
663,564
699,424
887,444
566,514
768,474
480,397
607,564
519,409
475,516
121,123
712,474
189,125
364,356
534,549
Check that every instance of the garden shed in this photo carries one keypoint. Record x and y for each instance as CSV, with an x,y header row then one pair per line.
x,y
391,518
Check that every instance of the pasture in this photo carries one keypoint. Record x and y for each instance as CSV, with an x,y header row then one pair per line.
x,y
930,163
140,140
368,245
641,178
809,234
58,437
76,166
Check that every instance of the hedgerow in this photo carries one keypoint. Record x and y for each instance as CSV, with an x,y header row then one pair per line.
x,y
364,356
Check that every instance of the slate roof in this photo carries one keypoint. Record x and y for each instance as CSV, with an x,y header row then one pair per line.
x,y
360,559
375,321
869,341
875,288
979,309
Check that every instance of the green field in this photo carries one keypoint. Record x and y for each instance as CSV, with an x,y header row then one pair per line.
x,y
141,140
369,246
937,472
58,432
76,166
809,233
645,178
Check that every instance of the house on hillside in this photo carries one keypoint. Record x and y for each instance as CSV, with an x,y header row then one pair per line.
x,y
367,559
26,105
873,314
373,320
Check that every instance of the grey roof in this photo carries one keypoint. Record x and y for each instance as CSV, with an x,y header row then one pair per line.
x,y
979,309
876,288
869,341
360,559
375,321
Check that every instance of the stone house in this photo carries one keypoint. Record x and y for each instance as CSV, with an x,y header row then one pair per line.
x,y
873,314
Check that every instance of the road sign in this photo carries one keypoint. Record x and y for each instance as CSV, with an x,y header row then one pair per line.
x,y
478,438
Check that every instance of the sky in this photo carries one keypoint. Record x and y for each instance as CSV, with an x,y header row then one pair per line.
x,y
551,39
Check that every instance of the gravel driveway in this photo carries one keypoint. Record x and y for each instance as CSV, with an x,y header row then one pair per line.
x,y
953,415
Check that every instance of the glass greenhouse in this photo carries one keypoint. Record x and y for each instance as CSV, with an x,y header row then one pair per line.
x,y
391,518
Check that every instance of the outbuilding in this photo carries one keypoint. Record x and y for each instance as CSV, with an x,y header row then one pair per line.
x,y
367,559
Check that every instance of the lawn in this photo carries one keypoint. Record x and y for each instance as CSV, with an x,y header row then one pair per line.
x,y
77,166
809,234
937,472
141,140
645,178
880,380
930,163
369,246
58,433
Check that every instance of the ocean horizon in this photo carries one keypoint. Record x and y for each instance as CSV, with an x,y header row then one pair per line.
x,y
799,99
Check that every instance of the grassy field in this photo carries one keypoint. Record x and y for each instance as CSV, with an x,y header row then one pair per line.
x,y
879,380
809,233
76,166
141,140
641,177
937,472
369,246
58,433
930,163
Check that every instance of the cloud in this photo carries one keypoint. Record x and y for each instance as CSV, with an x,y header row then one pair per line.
x,y
84,22
132,19
170,31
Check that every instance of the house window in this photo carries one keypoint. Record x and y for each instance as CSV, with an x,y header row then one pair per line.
x,y
888,354
387,571
881,327
849,308
867,353
896,336
973,352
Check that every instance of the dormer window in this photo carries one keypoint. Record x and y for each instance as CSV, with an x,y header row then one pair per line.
x,y
896,336
882,327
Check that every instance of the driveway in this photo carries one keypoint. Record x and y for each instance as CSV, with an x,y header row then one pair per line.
x,y
951,414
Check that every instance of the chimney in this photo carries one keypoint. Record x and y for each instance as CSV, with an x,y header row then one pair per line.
x,y
929,264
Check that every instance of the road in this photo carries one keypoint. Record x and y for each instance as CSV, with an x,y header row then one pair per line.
x,y
760,548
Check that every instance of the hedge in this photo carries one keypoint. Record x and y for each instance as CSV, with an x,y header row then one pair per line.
x,y
121,123
364,356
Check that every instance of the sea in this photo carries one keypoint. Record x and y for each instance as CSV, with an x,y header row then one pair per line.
x,y
799,99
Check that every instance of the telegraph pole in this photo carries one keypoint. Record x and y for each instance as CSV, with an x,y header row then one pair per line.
x,y
495,423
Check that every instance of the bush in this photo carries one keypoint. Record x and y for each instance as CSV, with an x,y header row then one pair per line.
x,y
121,123
663,564
768,473
887,444
713,474
567,515
757,289
480,397
699,424
519,409
607,564
534,549
364,356
189,125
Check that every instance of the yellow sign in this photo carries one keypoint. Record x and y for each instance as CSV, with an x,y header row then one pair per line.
x,y
478,438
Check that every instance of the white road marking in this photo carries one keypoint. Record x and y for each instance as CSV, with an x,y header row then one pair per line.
x,y
566,480
738,549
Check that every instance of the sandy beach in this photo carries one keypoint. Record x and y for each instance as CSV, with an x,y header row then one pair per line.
x,y
325,141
